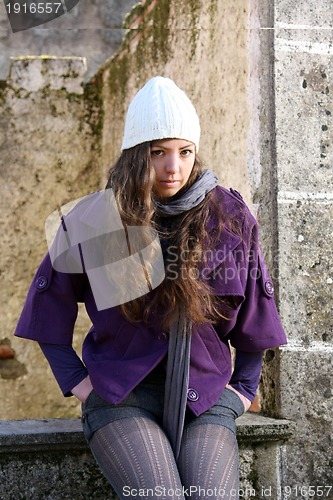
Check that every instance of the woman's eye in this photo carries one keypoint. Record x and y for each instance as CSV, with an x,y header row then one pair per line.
x,y
157,152
186,152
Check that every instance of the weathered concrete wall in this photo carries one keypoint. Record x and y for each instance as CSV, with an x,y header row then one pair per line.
x,y
303,82
50,129
92,29
202,46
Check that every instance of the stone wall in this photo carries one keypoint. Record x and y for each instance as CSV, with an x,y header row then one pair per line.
x,y
50,128
92,29
303,97
290,81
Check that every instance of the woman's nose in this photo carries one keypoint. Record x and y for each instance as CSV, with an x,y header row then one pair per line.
x,y
172,163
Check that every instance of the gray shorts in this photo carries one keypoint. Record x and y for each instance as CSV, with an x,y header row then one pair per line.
x,y
146,400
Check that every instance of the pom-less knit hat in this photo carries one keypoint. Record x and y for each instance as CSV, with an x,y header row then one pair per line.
x,y
160,110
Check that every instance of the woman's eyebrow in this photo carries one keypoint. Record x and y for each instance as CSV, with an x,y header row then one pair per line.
x,y
157,145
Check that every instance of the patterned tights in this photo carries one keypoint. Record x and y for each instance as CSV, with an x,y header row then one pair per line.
x,y
135,456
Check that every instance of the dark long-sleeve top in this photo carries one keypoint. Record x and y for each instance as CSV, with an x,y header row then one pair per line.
x,y
69,370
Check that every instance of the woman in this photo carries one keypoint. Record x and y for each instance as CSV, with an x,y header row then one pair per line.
x,y
158,392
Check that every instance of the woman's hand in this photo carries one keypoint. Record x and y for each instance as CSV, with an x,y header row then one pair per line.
x,y
83,389
246,402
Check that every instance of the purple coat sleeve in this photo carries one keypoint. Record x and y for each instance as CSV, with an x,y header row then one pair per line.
x,y
258,325
50,317
237,273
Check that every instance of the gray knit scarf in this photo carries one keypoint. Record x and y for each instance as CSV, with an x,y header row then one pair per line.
x,y
191,197
178,364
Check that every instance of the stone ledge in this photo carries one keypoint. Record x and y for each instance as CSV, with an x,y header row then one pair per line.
x,y
49,459
254,428
55,434
18,436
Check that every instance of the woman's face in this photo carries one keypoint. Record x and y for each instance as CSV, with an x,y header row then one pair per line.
x,y
173,160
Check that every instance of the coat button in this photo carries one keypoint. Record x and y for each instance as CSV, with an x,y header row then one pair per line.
x,y
41,282
269,287
192,395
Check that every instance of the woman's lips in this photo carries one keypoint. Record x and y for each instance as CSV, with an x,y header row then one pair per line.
x,y
170,183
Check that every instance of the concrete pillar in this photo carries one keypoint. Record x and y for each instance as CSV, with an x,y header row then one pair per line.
x,y
303,82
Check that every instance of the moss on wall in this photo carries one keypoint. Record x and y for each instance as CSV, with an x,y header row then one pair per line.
x,y
147,44
94,111
3,87
194,7
119,71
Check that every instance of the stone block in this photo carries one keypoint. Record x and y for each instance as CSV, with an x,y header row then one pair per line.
x,y
48,458
306,13
303,94
32,73
305,267
307,398
304,114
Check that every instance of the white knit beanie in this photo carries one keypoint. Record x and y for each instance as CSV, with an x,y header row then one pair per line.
x,y
160,110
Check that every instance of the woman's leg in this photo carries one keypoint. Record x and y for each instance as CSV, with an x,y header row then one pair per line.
x,y
134,453
209,461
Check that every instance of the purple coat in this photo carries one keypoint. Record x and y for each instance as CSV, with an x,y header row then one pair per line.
x,y
118,354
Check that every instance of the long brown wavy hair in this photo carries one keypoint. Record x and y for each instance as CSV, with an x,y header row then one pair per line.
x,y
183,238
